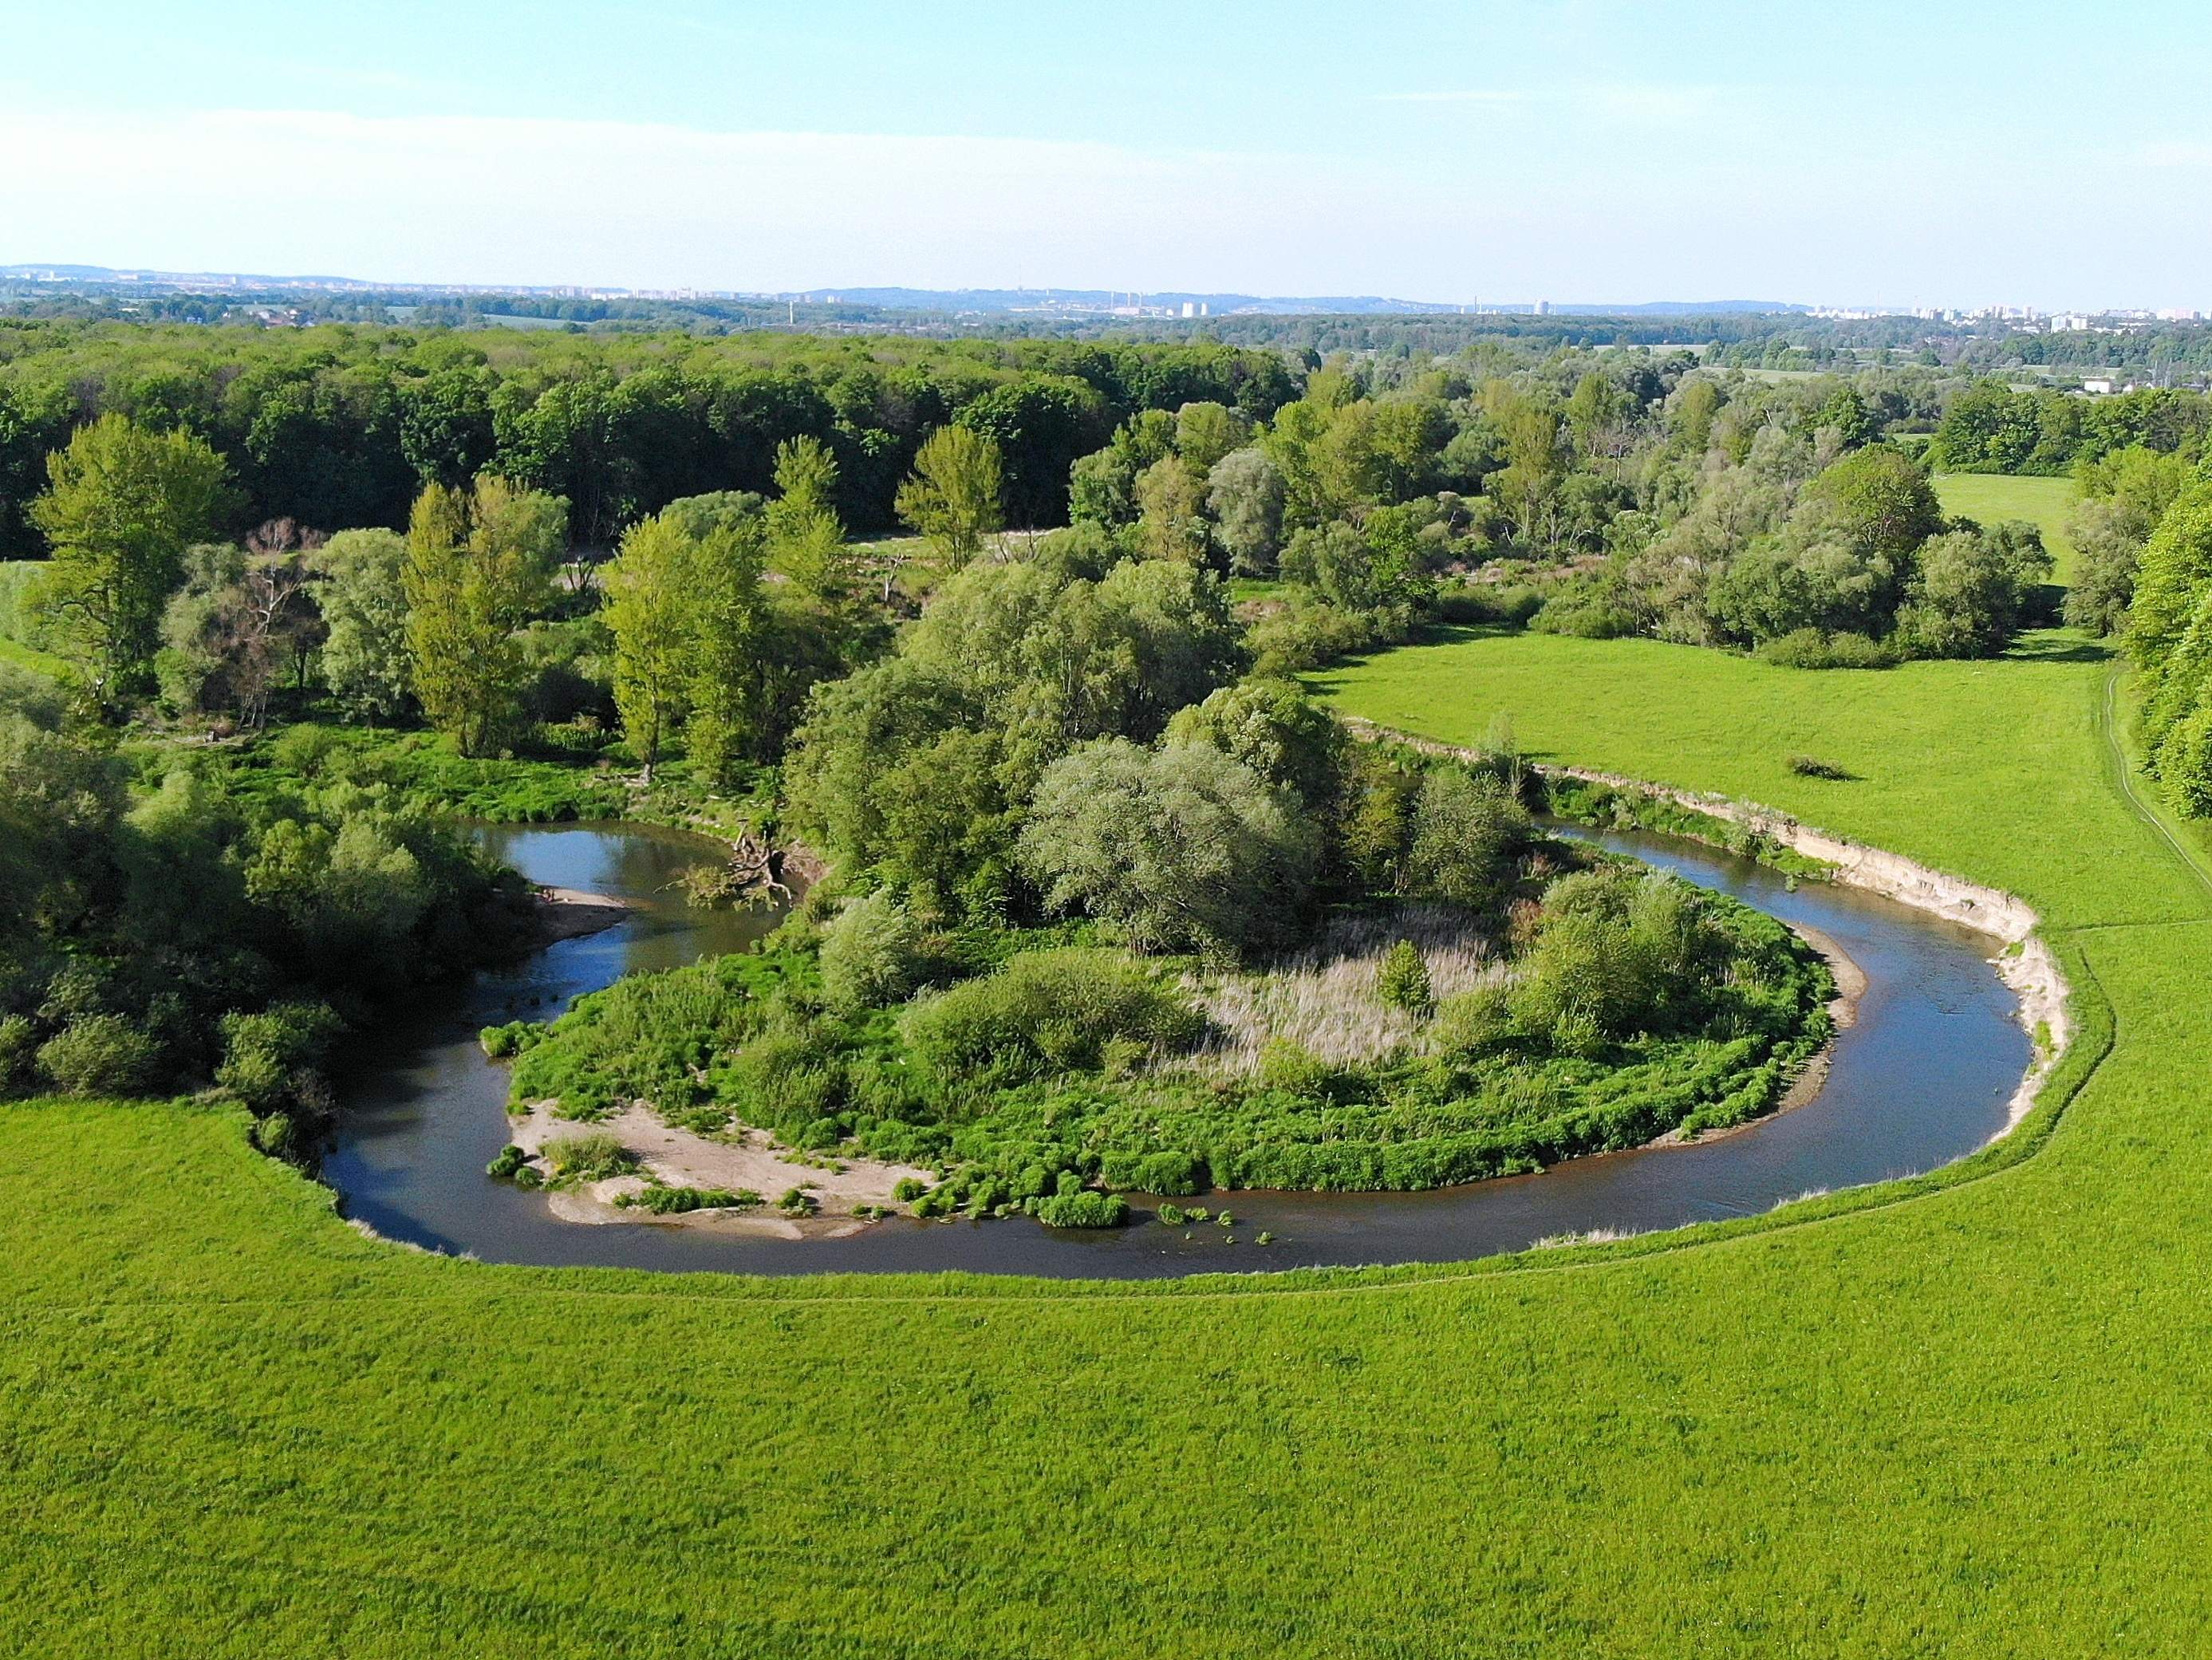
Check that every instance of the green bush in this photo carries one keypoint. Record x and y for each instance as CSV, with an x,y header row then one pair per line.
x,y
1494,605
1474,1018
1467,832
575,1160
871,954
101,1054
1085,1208
511,1159
1811,648
1616,950
19,1043
681,1201
1046,1011
263,1055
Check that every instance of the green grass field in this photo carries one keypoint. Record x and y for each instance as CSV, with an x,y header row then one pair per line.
x,y
1994,497
29,657
1973,1421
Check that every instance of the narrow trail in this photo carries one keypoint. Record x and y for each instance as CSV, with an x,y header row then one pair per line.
x,y
2121,774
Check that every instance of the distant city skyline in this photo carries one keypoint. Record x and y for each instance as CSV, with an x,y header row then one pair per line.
x,y
1575,151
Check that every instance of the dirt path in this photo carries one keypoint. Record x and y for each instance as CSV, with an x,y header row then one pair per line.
x,y
2121,774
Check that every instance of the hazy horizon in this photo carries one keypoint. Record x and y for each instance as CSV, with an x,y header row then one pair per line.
x,y
1581,153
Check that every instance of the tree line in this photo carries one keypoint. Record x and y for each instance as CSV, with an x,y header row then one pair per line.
x,y
338,427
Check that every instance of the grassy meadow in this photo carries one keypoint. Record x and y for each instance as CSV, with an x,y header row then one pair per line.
x,y
1992,498
231,1425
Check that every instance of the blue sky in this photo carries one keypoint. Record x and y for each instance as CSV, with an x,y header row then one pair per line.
x,y
2047,154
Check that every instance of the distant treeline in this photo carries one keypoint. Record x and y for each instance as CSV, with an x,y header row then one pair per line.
x,y
344,426
1992,428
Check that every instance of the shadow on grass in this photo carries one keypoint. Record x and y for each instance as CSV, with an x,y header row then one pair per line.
x,y
2060,648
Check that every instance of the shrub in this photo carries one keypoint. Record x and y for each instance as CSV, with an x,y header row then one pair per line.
x,y
1171,1214
908,1188
1474,1018
1491,604
1402,981
870,954
1616,950
19,1045
101,1054
1811,648
1811,766
1467,830
511,1158
1085,1208
504,1043
575,1160
1584,608
1292,1068
278,1136
262,1054
1046,1011
681,1201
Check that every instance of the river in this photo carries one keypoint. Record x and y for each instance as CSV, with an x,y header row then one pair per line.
x,y
1922,1077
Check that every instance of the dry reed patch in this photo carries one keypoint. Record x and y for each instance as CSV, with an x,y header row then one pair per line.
x,y
1324,998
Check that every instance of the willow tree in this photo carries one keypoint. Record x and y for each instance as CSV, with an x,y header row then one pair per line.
x,y
729,669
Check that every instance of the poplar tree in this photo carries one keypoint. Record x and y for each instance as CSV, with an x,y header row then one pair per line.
x,y
477,566
653,611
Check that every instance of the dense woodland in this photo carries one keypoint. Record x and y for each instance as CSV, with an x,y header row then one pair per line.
x,y
1097,864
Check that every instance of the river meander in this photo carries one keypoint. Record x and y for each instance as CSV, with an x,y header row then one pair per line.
x,y
1921,1078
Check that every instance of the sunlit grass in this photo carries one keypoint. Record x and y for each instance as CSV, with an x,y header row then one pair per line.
x,y
1967,1424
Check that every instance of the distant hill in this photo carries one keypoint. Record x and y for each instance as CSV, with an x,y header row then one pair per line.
x,y
1045,302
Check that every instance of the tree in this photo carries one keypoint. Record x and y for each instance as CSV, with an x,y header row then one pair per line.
x,y
1466,831
2107,555
121,506
476,567
1846,414
1206,432
805,536
1171,522
1101,489
1970,591
953,495
650,607
1245,494
1184,849
364,602
1883,501
729,694
1290,743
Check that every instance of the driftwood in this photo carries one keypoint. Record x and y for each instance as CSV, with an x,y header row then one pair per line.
x,y
752,875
